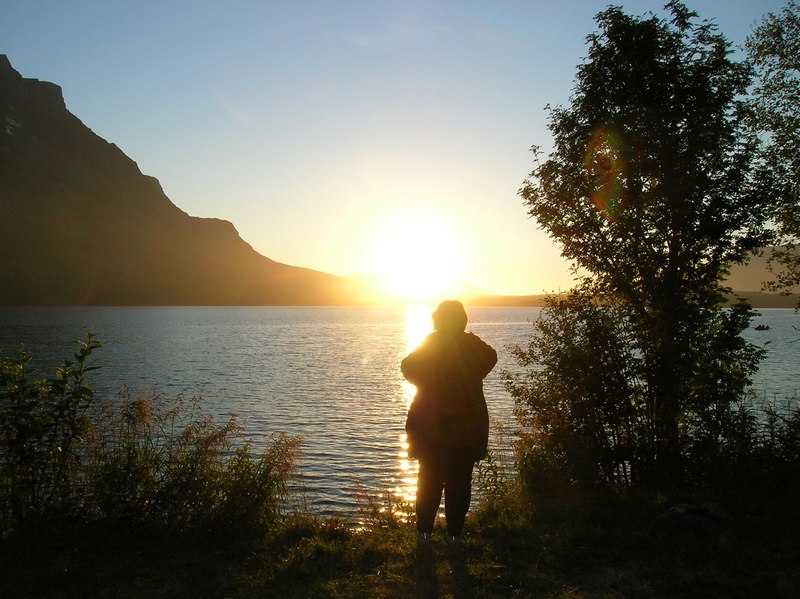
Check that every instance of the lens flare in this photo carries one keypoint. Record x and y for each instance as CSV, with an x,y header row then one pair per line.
x,y
604,163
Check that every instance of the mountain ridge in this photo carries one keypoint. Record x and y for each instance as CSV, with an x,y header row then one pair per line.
x,y
84,226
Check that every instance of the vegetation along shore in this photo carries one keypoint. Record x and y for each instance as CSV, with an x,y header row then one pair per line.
x,y
153,498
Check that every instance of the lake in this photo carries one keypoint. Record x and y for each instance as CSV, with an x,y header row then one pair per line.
x,y
329,374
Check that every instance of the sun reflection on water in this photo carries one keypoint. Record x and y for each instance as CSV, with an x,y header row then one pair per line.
x,y
418,325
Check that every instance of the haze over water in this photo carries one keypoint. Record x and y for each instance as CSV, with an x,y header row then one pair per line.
x,y
329,374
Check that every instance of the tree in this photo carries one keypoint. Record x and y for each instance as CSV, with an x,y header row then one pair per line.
x,y
653,190
774,49
588,407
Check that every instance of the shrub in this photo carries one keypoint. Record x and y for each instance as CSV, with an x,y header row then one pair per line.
x,y
586,400
175,467
142,463
44,425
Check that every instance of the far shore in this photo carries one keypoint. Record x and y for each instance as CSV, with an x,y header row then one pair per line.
x,y
757,299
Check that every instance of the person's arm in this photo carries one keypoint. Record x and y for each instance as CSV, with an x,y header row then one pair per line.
x,y
486,356
410,367
415,365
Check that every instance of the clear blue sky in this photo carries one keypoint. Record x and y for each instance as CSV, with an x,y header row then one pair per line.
x,y
335,134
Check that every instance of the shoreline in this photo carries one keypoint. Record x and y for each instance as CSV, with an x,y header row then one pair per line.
x,y
757,299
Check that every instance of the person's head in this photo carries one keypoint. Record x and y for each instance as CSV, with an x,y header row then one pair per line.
x,y
450,316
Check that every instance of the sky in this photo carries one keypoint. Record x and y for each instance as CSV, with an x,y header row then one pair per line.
x,y
344,136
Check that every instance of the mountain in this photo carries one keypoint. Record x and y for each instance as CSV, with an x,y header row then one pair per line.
x,y
751,276
747,281
744,279
81,225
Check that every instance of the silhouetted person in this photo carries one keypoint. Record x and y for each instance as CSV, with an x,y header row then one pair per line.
x,y
448,423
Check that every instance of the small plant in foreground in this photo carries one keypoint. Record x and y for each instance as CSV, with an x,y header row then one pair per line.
x,y
392,513
44,423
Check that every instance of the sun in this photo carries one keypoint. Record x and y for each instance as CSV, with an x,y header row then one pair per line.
x,y
418,259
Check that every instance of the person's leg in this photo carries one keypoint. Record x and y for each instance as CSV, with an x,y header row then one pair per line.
x,y
429,494
457,494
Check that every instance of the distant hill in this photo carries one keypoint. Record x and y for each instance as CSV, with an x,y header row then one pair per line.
x,y
81,225
755,298
746,281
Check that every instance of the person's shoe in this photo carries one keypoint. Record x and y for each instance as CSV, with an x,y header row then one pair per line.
x,y
423,539
454,541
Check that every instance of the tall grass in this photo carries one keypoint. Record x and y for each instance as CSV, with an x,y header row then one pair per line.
x,y
143,463
174,467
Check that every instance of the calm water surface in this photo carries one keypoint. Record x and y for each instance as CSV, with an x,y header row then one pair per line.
x,y
330,375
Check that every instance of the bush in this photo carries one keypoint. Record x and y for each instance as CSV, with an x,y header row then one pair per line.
x,y
44,426
580,402
139,464
586,408
178,469
777,461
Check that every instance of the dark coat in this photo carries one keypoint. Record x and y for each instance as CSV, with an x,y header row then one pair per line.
x,y
448,417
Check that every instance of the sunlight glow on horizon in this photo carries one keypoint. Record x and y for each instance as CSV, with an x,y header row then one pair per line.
x,y
418,259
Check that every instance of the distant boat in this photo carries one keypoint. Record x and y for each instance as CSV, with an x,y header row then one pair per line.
x,y
762,327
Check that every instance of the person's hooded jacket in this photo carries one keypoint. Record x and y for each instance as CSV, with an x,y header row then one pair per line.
x,y
448,417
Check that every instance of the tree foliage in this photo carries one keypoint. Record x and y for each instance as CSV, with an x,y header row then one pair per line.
x,y
774,49
590,410
654,190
